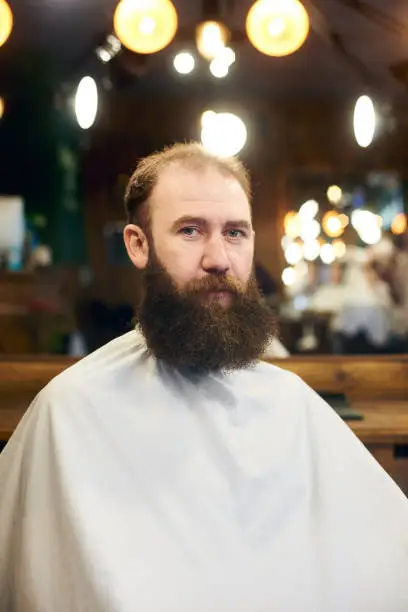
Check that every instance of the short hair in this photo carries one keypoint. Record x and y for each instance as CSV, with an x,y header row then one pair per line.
x,y
192,156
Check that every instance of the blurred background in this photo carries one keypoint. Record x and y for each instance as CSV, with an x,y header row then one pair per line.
x,y
311,95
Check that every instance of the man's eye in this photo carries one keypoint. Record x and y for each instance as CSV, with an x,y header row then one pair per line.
x,y
189,231
235,233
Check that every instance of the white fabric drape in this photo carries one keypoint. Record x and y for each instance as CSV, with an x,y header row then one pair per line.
x,y
130,488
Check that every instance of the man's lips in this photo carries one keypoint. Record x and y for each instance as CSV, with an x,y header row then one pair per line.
x,y
222,296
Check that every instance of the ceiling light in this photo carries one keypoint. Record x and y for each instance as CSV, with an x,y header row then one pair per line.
x,y
364,121
6,21
211,38
103,54
207,117
277,27
145,26
223,134
110,48
334,194
218,68
226,55
86,102
184,62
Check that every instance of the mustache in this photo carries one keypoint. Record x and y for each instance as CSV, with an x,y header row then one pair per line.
x,y
215,283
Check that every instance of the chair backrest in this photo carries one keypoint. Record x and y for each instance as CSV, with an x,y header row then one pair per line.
x,y
359,377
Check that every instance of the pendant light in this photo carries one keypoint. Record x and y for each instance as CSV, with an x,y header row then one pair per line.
x,y
364,121
277,27
6,21
145,26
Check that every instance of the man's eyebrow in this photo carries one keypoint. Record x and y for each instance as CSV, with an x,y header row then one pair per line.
x,y
191,220
240,224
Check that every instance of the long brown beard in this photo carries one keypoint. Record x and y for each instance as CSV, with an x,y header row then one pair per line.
x,y
186,333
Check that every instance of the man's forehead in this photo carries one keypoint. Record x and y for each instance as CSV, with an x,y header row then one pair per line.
x,y
179,183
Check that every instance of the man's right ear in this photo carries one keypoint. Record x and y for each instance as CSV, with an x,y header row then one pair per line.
x,y
137,245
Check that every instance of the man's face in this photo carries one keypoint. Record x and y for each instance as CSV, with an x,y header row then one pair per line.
x,y
201,226
201,307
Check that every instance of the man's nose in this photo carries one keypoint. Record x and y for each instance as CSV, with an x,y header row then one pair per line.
x,y
215,258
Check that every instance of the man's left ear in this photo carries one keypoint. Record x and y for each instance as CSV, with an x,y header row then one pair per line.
x,y
137,245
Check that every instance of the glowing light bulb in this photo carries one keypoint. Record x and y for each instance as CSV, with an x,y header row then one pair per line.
x,y
277,27
145,26
288,276
86,102
364,121
223,134
184,62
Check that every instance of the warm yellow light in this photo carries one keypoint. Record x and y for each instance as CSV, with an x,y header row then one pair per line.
x,y
339,248
289,218
218,68
364,121
207,117
292,224
334,194
223,134
184,62
86,102
1,107
145,26
332,224
211,38
344,220
399,224
277,27
6,21
288,276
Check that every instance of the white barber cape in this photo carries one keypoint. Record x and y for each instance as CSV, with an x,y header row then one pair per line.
x,y
129,488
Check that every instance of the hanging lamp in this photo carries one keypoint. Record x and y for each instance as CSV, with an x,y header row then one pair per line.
x,y
6,21
145,26
277,27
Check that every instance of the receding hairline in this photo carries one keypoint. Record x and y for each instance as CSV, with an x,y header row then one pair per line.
x,y
180,165
190,156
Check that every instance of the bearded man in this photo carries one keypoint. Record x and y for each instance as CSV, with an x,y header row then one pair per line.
x,y
172,470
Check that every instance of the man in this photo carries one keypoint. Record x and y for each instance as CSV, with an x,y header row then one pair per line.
x,y
171,471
